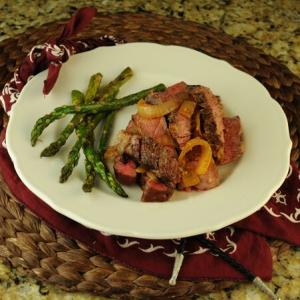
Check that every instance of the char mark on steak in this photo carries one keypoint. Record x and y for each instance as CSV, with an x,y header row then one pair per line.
x,y
161,159
211,113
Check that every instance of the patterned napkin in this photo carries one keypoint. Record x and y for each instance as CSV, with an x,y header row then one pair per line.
x,y
244,241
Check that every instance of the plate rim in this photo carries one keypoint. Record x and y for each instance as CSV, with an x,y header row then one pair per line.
x,y
136,233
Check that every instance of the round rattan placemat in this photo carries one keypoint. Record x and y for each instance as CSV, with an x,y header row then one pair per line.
x,y
28,243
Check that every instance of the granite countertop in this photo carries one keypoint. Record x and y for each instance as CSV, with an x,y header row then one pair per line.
x,y
271,25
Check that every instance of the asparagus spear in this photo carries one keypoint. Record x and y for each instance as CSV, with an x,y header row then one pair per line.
x,y
89,180
95,162
112,88
90,173
72,162
89,169
106,107
92,157
74,154
93,88
83,131
62,111
107,126
103,173
90,95
54,147
108,93
90,125
77,98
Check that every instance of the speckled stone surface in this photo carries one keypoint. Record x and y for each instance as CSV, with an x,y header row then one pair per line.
x,y
273,26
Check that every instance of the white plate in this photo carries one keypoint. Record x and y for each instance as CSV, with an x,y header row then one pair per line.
x,y
246,186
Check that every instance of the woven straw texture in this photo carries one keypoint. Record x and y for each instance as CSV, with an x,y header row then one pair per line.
x,y
28,243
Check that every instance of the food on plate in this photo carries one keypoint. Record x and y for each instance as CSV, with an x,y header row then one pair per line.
x,y
97,106
176,141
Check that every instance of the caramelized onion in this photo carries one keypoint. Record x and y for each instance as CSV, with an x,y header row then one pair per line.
x,y
203,160
187,108
147,110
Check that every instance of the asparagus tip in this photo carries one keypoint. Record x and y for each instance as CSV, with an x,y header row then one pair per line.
x,y
86,188
33,140
47,152
65,173
122,193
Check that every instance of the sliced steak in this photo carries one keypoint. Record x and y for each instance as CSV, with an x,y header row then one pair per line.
x,y
125,171
132,128
155,128
180,128
161,159
179,89
150,152
233,145
128,145
210,179
168,166
133,148
155,191
176,88
211,114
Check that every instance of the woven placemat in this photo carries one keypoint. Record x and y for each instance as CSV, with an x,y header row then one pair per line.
x,y
28,243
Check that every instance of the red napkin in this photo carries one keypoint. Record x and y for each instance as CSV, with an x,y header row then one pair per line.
x,y
279,218
152,256
51,55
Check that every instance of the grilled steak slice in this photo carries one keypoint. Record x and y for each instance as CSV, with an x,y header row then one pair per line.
x,y
162,159
150,152
125,171
132,128
156,128
233,145
211,113
179,89
133,148
155,191
210,179
180,128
